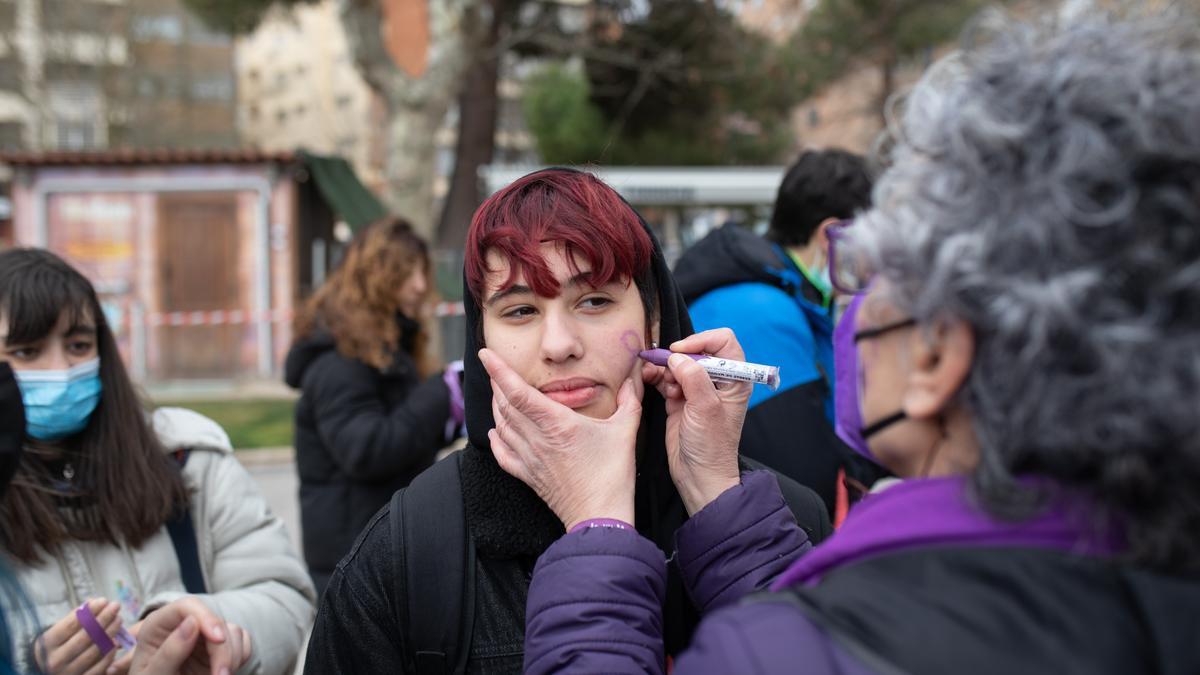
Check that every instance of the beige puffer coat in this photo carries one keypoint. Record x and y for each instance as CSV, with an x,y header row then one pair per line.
x,y
251,570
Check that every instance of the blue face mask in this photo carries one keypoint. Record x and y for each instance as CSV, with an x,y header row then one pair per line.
x,y
58,403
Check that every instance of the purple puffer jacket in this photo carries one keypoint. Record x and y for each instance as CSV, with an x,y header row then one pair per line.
x,y
610,620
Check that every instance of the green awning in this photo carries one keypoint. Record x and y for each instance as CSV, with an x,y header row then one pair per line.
x,y
342,190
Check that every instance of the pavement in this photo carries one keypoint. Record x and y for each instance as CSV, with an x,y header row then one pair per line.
x,y
274,469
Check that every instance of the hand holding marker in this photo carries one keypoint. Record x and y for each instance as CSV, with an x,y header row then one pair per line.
x,y
719,369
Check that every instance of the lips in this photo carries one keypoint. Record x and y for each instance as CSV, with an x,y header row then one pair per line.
x,y
573,393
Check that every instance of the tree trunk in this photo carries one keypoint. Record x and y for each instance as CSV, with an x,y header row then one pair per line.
x,y
416,103
411,156
478,109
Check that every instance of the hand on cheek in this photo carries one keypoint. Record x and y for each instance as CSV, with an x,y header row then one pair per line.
x,y
581,467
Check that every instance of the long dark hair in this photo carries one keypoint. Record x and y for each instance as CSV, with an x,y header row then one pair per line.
x,y
125,486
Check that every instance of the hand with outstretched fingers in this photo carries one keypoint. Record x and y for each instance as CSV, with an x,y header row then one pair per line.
x,y
66,648
186,636
704,419
581,467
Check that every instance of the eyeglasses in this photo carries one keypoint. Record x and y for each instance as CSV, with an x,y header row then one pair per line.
x,y
871,333
847,273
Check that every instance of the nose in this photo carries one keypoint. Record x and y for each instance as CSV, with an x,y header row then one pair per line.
x,y
54,357
560,338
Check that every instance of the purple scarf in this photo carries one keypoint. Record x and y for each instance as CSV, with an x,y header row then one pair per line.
x,y
937,512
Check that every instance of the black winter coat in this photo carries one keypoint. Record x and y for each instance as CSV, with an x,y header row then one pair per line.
x,y
361,434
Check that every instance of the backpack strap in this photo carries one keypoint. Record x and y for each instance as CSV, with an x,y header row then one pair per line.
x,y
435,587
183,538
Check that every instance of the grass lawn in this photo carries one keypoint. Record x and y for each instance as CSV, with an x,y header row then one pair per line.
x,y
250,423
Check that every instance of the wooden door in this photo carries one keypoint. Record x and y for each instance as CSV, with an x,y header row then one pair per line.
x,y
198,272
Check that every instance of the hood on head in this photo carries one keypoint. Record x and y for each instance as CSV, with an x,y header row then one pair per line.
x,y
304,351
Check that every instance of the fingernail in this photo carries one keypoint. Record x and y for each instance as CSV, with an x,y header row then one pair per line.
x,y
675,359
188,627
225,671
217,632
111,670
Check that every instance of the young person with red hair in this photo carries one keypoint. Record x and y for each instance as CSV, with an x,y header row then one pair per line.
x,y
566,284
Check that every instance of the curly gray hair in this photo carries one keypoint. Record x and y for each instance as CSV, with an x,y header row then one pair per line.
x,y
1044,187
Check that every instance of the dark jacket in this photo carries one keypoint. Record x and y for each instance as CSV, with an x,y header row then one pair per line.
x,y
361,434
356,628
733,278
890,593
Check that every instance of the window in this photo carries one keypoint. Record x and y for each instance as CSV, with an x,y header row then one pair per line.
x,y
12,136
77,115
73,135
199,33
146,87
163,27
213,88
10,73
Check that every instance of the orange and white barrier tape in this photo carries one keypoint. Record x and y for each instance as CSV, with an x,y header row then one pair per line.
x,y
239,316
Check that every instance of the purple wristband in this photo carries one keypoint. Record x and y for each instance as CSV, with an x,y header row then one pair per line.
x,y
99,638
92,627
602,522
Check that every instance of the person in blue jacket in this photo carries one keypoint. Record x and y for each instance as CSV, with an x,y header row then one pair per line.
x,y
775,294
1021,351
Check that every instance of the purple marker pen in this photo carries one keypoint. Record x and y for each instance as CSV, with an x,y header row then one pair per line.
x,y
726,370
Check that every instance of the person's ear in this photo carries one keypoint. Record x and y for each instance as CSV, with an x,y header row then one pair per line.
x,y
820,236
941,359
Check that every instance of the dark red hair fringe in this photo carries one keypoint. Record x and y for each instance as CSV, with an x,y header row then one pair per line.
x,y
571,208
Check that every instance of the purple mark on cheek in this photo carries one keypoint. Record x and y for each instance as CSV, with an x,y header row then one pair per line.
x,y
631,341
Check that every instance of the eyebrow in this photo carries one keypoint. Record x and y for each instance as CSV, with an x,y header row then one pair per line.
x,y
73,331
581,279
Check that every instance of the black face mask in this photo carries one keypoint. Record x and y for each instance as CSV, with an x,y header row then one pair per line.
x,y
12,426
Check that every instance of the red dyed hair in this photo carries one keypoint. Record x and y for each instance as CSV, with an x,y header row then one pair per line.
x,y
572,208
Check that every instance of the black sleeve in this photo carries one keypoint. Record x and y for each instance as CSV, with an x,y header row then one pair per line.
x,y
356,630
805,504
790,434
367,441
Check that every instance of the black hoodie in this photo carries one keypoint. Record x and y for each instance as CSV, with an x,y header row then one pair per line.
x,y
361,434
510,526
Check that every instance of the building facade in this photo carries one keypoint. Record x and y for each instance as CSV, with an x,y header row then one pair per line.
x,y
91,74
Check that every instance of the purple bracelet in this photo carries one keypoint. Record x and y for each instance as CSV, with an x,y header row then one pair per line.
x,y
602,522
99,638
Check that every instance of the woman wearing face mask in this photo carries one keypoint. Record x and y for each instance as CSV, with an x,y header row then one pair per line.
x,y
95,514
374,408
1022,352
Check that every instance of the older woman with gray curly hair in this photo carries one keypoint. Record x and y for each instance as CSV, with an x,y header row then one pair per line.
x,y
1023,349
